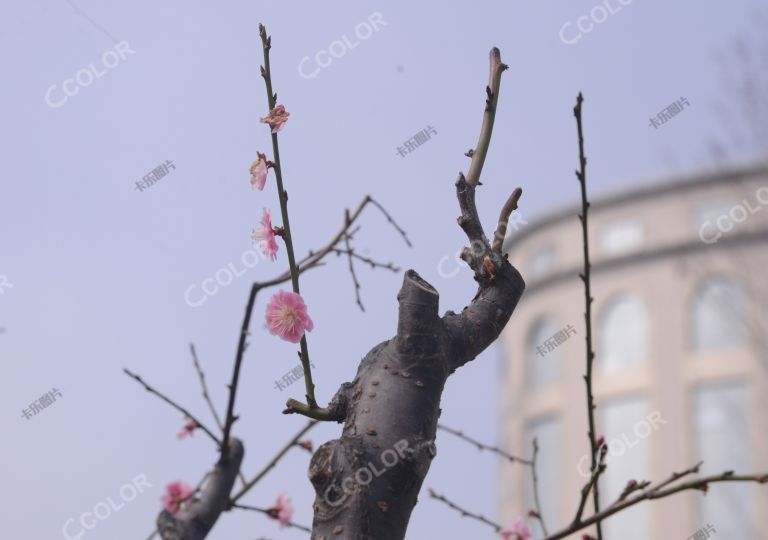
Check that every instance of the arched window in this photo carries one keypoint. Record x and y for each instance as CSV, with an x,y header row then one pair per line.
x,y
623,334
542,363
628,429
718,315
722,438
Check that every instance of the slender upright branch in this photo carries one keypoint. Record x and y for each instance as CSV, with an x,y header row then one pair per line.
x,y
538,515
492,98
591,484
175,405
283,196
581,174
241,346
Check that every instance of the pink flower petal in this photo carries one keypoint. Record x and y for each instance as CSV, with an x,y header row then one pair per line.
x,y
276,118
265,235
287,316
517,530
259,171
175,494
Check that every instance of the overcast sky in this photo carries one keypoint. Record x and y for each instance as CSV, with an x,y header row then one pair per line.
x,y
99,269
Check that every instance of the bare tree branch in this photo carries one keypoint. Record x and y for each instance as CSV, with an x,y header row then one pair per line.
x,y
204,386
266,512
658,492
174,405
482,446
465,513
581,174
274,461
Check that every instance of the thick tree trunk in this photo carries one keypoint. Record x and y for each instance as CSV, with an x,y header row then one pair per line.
x,y
367,481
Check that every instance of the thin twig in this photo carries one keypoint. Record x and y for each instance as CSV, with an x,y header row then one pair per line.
x,y
581,174
204,386
538,515
591,484
506,211
391,221
355,282
657,492
492,98
290,444
482,446
367,260
465,513
174,405
265,511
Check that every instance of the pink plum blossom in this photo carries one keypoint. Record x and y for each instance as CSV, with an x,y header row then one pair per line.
x,y
276,118
175,494
287,316
518,530
259,169
282,511
188,430
265,235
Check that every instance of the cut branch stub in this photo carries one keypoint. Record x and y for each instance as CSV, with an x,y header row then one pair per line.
x,y
197,518
367,481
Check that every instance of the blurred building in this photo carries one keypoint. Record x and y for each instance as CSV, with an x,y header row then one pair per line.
x,y
680,283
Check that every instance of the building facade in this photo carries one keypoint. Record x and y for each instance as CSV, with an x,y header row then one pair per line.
x,y
680,312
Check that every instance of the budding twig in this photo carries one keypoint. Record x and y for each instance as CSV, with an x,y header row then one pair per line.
x,y
492,97
581,174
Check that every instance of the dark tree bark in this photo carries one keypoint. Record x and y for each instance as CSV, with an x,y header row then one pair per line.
x,y
196,519
367,481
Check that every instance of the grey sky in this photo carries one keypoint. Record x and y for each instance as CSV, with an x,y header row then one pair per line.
x,y
99,269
